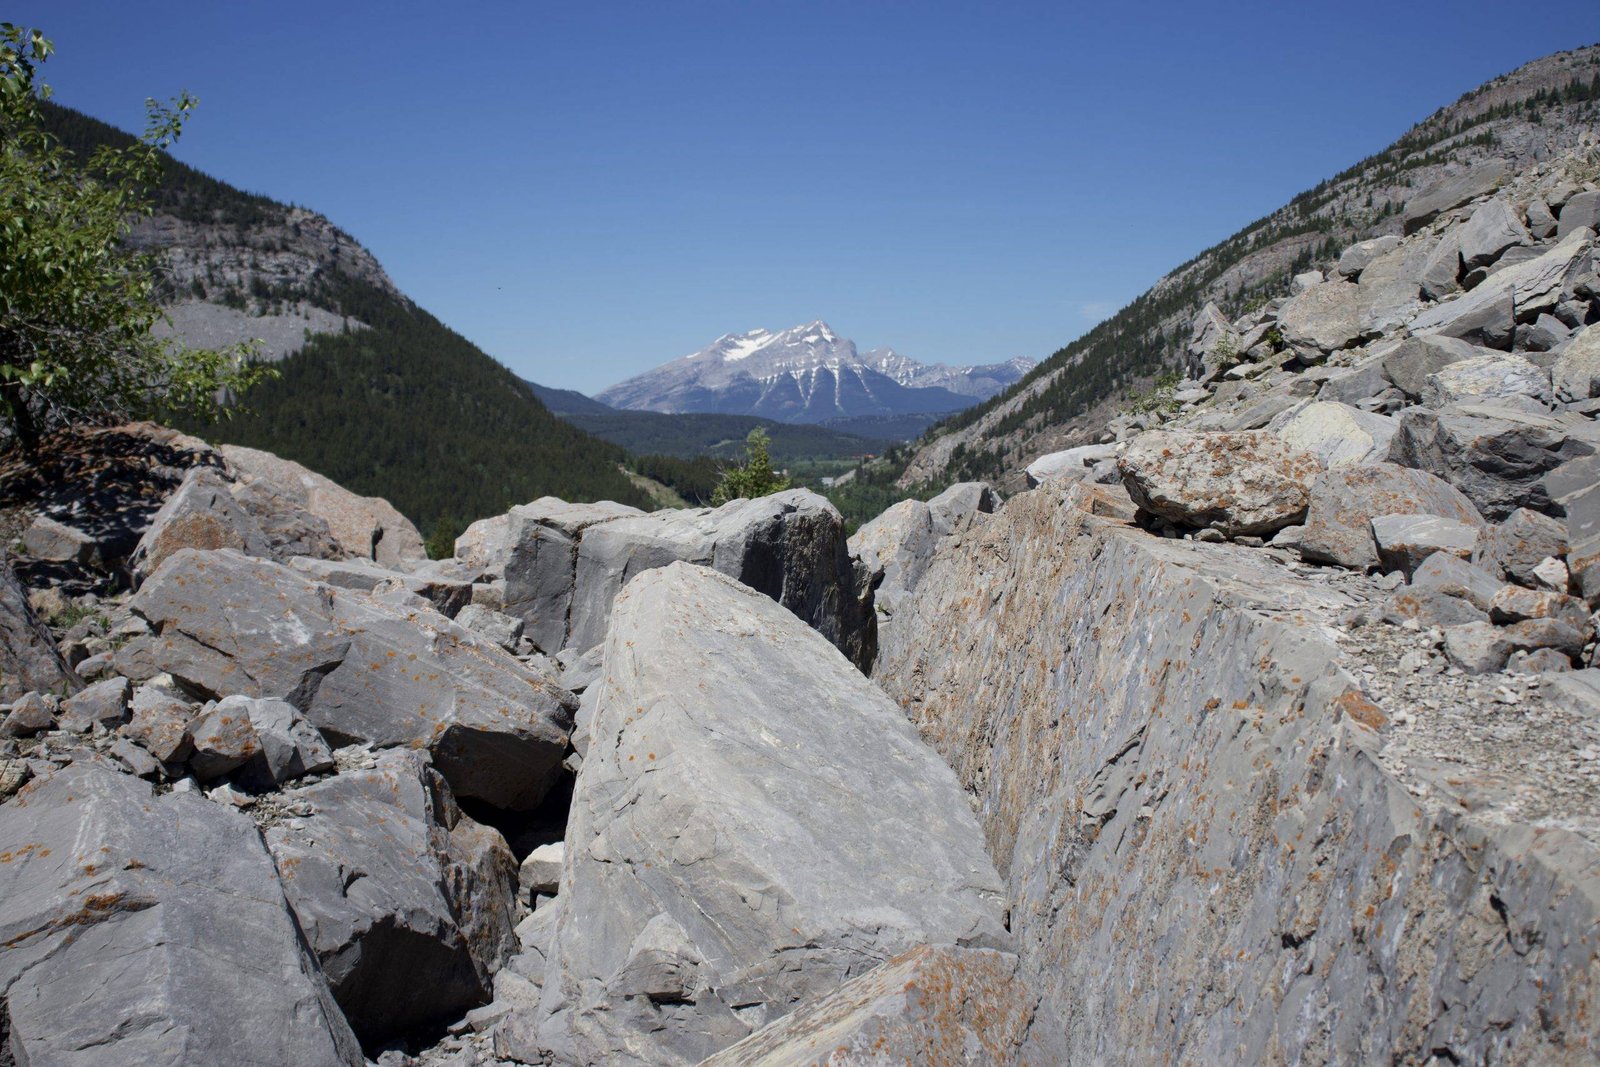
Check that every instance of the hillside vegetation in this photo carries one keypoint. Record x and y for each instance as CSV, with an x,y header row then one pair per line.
x,y
398,405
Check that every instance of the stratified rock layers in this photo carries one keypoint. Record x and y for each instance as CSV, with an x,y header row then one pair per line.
x,y
1208,859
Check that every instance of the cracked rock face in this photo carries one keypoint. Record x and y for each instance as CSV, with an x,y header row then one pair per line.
x,y
151,929
407,902
933,1005
1190,796
739,846
360,670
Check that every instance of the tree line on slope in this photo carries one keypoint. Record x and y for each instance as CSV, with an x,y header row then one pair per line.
x,y
409,410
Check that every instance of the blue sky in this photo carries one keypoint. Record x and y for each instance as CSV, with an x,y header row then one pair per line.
x,y
587,189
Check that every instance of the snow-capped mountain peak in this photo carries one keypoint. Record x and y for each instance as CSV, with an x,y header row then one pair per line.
x,y
806,373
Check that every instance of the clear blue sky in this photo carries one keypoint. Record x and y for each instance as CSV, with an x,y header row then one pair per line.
x,y
587,189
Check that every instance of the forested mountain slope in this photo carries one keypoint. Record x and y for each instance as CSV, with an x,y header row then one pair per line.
x,y
375,392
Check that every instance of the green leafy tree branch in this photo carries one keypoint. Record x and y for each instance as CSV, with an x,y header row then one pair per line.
x,y
76,306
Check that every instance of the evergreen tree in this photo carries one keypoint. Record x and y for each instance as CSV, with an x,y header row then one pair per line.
x,y
752,478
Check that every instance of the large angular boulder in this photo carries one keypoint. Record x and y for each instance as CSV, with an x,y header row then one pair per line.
x,y
1496,454
540,563
700,902
365,527
1414,359
1441,273
1516,546
29,659
290,530
1220,846
56,542
203,514
1391,286
1517,293
485,543
152,930
933,1005
1246,482
1580,212
1324,318
1337,434
1486,379
1492,229
407,902
1576,373
1356,258
959,505
1345,501
360,670
790,546
1452,191
1069,463
447,595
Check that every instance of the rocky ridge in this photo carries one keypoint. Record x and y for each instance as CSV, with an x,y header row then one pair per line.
x,y
1517,121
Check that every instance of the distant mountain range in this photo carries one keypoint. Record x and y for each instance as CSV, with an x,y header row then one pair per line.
x,y
807,374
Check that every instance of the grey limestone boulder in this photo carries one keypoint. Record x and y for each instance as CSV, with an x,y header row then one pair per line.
x,y
1405,540
364,527
158,722
1448,573
287,746
33,713
1492,229
504,630
790,546
47,539
406,901
1069,463
104,704
359,670
1497,376
145,929
1355,259
1452,191
1496,454
1441,271
1580,212
1576,372
933,1005
1516,294
957,505
1409,363
699,902
540,563
1519,543
1337,434
201,513
485,543
1245,482
1219,846
447,594
1541,220
1325,318
222,739
290,530
1391,286
29,659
